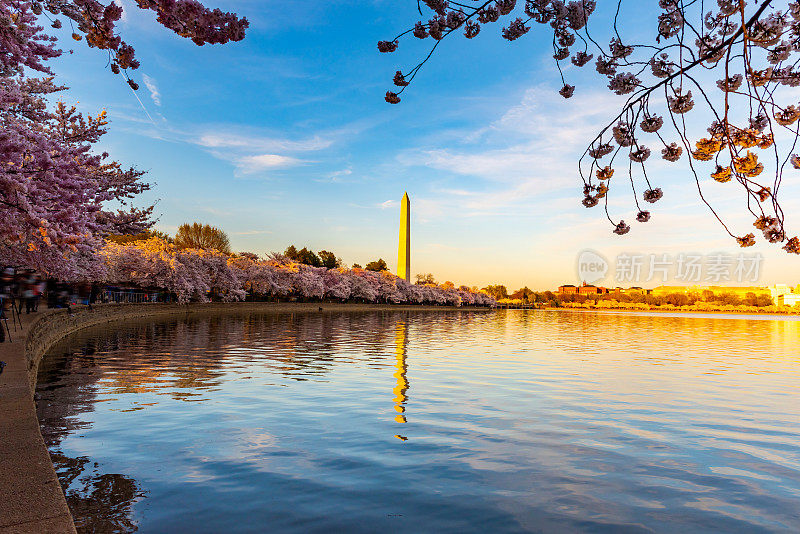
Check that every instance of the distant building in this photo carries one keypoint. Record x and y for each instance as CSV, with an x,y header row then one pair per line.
x,y
591,290
779,289
788,299
783,295
588,289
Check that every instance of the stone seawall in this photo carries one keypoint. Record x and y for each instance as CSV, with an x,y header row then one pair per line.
x,y
31,498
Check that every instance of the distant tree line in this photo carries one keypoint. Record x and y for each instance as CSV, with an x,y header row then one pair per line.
x,y
550,298
307,256
677,299
210,238
195,274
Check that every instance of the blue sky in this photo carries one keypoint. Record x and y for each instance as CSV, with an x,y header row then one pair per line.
x,y
284,138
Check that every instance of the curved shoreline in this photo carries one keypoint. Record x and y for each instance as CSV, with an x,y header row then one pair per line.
x,y
31,498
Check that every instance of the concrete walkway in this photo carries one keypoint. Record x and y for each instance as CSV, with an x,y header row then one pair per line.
x,y
31,499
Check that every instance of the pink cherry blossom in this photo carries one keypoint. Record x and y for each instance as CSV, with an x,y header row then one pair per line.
x,y
199,275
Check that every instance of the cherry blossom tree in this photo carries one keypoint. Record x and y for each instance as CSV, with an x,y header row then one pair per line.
x,y
308,282
731,68
192,274
53,189
95,23
254,278
200,275
360,286
337,286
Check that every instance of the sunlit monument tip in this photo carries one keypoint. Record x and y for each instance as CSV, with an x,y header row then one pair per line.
x,y
404,248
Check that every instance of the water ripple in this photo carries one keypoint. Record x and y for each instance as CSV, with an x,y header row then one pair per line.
x,y
512,421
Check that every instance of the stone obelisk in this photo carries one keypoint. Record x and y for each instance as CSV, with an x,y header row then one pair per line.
x,y
404,248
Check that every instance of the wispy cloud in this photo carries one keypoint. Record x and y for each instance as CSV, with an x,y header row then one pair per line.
x,y
252,232
337,176
254,153
151,85
261,143
253,150
388,204
541,129
529,151
263,162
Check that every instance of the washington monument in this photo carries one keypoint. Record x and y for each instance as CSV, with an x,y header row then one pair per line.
x,y
404,247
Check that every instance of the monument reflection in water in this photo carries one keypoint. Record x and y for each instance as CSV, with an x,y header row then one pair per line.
x,y
400,390
518,421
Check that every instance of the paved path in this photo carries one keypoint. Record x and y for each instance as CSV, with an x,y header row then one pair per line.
x,y
31,499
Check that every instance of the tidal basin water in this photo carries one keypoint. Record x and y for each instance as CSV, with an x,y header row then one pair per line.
x,y
428,422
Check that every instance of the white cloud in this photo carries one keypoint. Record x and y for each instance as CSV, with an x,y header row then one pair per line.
x,y
256,153
259,143
338,176
150,83
388,204
125,7
263,162
530,151
249,149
